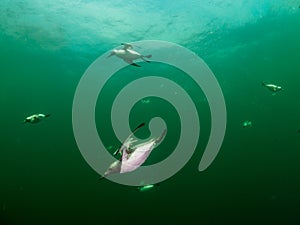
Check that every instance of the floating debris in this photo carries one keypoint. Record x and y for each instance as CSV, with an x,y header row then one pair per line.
x,y
36,118
247,123
146,187
128,55
145,101
272,87
110,147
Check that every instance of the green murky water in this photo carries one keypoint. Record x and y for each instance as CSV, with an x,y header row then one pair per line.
x,y
47,46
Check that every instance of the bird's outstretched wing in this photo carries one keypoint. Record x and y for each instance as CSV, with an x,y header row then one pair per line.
x,y
128,138
131,63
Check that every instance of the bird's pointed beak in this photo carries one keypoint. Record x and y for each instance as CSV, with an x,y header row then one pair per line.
x,y
111,54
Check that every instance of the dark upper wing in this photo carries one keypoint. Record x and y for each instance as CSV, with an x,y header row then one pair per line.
x,y
122,146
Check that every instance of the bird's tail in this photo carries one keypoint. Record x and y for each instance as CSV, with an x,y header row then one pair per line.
x,y
148,56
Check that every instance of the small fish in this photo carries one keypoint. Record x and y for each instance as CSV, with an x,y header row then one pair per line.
x,y
35,118
272,87
145,101
247,123
146,187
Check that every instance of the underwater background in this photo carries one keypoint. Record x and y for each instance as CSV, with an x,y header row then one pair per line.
x,y
45,48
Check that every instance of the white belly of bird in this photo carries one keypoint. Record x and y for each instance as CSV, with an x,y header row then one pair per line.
x,y
128,55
